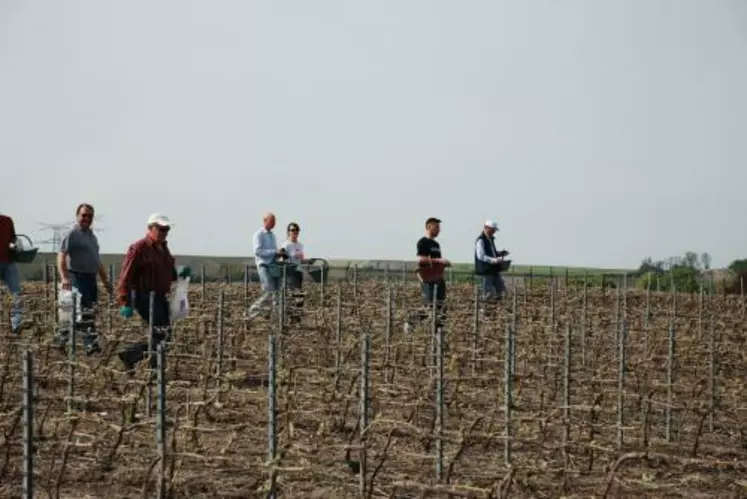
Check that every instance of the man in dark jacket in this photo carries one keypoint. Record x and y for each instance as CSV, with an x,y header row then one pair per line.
x,y
148,266
488,263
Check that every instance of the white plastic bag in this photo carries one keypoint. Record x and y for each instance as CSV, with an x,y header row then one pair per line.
x,y
65,306
179,300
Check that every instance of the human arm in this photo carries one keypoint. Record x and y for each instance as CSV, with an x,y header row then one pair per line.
x,y
130,268
480,254
62,262
104,276
259,251
13,235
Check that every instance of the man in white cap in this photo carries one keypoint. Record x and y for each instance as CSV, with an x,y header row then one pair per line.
x,y
488,263
148,267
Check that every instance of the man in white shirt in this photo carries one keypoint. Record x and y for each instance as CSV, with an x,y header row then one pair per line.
x,y
265,254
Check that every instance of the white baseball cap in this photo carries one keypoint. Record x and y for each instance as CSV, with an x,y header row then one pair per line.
x,y
158,219
492,224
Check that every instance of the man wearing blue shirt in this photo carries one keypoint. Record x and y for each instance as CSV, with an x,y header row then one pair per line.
x,y
265,253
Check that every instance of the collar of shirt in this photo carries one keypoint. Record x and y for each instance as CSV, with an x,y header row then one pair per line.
x,y
149,241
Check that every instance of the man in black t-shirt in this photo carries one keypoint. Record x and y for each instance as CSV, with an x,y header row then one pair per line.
x,y
431,267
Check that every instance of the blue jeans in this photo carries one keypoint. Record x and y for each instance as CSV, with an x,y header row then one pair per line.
x,y
12,279
426,292
492,286
136,352
87,285
270,285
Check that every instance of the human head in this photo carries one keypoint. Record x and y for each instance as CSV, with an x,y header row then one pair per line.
x,y
293,231
268,221
158,227
490,227
433,227
84,215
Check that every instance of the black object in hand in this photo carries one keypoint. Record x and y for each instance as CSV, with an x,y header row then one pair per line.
x,y
502,253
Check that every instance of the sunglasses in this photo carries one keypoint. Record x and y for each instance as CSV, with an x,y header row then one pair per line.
x,y
295,230
165,230
86,215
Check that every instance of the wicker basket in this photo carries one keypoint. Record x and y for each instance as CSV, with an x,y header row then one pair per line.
x,y
24,253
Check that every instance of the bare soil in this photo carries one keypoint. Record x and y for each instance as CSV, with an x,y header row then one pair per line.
x,y
655,431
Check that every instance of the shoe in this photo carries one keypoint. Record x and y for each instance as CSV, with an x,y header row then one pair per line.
x,y
129,367
60,341
93,348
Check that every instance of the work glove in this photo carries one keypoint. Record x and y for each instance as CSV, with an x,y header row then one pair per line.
x,y
125,311
183,271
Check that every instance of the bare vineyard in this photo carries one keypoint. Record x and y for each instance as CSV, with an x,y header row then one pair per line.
x,y
566,392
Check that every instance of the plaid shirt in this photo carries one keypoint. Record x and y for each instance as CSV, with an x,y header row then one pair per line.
x,y
7,236
147,267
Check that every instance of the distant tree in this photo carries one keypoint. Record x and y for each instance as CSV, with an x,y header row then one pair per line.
x,y
649,265
705,261
681,272
739,267
690,260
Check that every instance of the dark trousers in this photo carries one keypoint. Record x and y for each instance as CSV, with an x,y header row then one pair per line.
x,y
87,286
294,294
427,291
136,352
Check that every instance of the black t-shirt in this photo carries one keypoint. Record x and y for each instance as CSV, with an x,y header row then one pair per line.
x,y
430,247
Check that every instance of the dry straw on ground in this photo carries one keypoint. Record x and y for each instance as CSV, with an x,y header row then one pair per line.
x,y
598,409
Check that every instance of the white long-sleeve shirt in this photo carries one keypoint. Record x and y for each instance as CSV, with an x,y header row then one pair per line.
x,y
482,255
265,247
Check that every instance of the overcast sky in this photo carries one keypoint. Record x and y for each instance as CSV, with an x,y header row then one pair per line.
x,y
597,132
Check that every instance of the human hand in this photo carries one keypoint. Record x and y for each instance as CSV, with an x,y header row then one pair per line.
x,y
125,311
66,284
